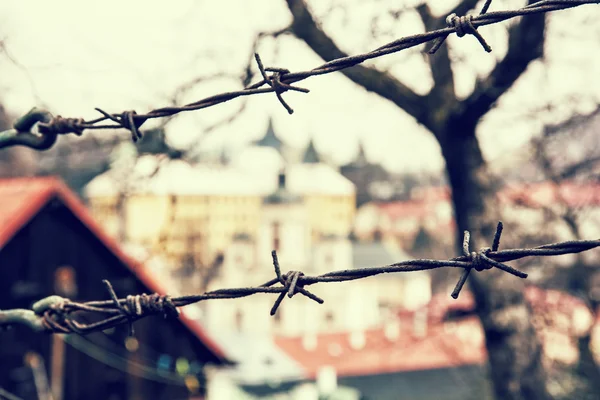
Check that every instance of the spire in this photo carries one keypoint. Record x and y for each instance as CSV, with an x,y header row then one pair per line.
x,y
361,158
270,139
310,155
360,161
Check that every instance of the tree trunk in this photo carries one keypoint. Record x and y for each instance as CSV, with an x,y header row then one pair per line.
x,y
514,350
579,282
587,368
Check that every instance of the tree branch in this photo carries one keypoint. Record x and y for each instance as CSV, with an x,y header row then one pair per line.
x,y
441,96
305,27
526,43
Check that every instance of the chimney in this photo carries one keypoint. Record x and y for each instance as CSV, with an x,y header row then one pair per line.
x,y
391,329
309,341
420,323
357,340
326,380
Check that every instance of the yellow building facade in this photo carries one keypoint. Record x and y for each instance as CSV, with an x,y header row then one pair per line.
x,y
196,209
179,224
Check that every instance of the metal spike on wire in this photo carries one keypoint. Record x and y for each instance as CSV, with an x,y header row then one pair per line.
x,y
55,314
279,81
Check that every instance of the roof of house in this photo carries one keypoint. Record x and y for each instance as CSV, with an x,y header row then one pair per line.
x,y
531,195
369,254
441,346
151,175
311,156
154,175
540,194
410,209
257,358
318,178
361,158
382,354
441,305
270,139
21,199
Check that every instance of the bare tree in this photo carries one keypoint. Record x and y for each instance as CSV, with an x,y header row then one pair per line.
x,y
513,348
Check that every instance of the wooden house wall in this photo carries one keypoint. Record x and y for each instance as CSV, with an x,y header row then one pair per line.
x,y
55,238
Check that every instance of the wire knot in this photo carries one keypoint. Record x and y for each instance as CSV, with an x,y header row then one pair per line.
x,y
482,260
128,121
132,306
291,284
478,259
59,125
162,304
55,318
131,309
274,81
462,26
141,304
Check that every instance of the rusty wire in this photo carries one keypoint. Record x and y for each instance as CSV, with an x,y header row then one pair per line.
x,y
55,314
279,81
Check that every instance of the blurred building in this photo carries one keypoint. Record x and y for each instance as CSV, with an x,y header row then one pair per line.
x,y
542,205
427,210
177,208
441,342
366,176
285,227
50,245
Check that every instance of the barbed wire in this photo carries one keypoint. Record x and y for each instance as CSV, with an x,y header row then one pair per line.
x,y
55,314
279,81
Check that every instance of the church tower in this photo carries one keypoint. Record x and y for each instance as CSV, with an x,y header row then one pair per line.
x,y
284,228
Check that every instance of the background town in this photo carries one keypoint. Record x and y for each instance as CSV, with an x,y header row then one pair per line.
x,y
199,204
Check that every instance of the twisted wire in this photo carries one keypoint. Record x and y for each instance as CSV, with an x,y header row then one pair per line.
x,y
55,314
281,80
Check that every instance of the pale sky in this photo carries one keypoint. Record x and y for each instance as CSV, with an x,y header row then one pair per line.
x,y
75,55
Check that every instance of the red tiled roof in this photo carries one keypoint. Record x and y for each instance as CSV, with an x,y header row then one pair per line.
x,y
538,298
405,209
379,355
22,198
571,194
531,195
463,344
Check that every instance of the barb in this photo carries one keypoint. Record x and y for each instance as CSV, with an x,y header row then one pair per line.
x,y
55,314
279,81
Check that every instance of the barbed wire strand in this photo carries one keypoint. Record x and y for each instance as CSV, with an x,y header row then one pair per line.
x,y
55,314
279,81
